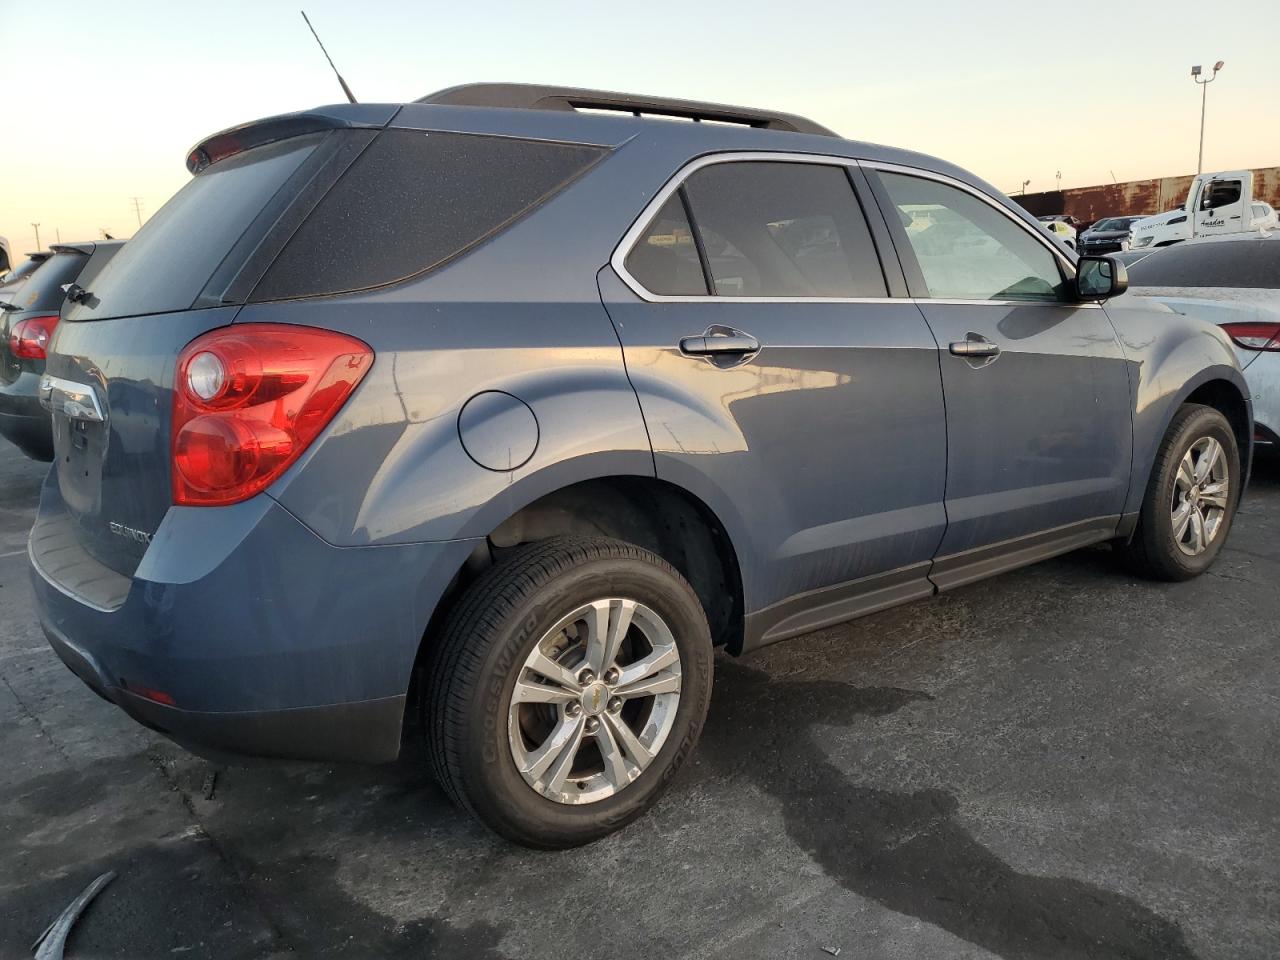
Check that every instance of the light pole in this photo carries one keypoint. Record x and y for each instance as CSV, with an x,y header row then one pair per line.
x,y
36,226
1196,73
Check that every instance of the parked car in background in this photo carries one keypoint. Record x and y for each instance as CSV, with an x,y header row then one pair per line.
x,y
1216,204
488,418
1235,282
27,322
16,277
1109,235
1060,228
1071,221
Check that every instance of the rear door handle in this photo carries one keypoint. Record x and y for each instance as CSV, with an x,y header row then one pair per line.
x,y
738,343
975,348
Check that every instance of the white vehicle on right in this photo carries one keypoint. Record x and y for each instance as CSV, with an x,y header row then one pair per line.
x,y
1235,283
1217,204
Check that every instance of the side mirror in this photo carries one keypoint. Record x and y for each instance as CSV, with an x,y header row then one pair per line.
x,y
1100,278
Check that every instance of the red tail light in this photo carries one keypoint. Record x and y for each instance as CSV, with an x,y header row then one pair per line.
x,y
29,338
1255,336
249,399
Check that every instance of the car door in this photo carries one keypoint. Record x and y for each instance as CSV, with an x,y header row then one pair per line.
x,y
1220,207
1037,391
782,385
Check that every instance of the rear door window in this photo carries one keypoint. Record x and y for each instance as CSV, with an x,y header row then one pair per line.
x,y
414,200
780,229
665,260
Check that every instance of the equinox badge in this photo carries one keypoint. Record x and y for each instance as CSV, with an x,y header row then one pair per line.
x,y
129,533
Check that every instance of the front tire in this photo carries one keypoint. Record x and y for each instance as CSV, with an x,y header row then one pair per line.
x,y
570,683
1191,498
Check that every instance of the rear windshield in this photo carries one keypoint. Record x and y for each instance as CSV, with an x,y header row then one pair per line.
x,y
413,200
43,291
24,269
168,262
1251,262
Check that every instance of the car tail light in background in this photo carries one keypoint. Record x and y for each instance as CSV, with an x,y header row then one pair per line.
x,y
1255,336
249,399
29,338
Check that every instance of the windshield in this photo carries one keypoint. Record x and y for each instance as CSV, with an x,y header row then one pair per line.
x,y
1249,263
1113,225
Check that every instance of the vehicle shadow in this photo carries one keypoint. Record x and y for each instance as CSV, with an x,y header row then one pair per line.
x,y
907,850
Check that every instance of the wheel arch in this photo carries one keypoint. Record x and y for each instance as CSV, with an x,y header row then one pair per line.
x,y
655,514
1219,386
1227,398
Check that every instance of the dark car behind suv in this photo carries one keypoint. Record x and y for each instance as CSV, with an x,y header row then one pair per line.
x,y
1108,235
489,417
28,317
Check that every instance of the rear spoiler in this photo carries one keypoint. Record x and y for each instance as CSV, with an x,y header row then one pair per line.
x,y
228,143
85,247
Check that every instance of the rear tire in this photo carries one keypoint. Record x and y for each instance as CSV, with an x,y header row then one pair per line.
x,y
1179,502
496,753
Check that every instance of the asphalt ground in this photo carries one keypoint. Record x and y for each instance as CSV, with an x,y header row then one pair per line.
x,y
1064,762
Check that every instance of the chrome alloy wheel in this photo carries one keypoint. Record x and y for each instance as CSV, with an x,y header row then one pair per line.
x,y
594,701
1200,493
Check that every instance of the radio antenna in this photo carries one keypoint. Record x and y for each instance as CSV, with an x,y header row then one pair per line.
x,y
345,89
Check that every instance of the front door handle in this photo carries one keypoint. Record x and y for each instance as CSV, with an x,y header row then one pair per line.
x,y
975,348
709,345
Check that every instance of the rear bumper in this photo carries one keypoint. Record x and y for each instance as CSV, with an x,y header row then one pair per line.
x,y
368,731
243,633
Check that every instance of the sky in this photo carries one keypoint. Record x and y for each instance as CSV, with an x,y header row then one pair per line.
x,y
103,100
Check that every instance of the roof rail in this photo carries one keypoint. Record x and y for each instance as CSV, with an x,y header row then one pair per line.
x,y
528,96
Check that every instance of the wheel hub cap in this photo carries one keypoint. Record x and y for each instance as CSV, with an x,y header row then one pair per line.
x,y
1200,495
594,701
595,698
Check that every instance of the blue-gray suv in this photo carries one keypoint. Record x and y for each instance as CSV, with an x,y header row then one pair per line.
x,y
487,417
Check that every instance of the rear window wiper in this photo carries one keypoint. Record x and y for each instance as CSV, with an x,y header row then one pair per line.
x,y
4,305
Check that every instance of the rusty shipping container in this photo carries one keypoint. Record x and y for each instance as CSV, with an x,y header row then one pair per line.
x,y
1136,197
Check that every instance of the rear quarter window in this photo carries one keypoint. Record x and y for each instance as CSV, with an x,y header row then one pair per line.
x,y
414,200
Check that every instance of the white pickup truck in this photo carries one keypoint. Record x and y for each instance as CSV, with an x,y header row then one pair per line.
x,y
1217,203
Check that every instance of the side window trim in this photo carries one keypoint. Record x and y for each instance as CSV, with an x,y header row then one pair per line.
x,y
911,267
708,281
677,182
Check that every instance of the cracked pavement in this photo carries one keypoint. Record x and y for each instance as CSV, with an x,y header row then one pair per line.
x,y
1060,763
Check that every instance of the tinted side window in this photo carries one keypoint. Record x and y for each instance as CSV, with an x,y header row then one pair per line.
x,y
665,260
777,229
414,200
968,250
